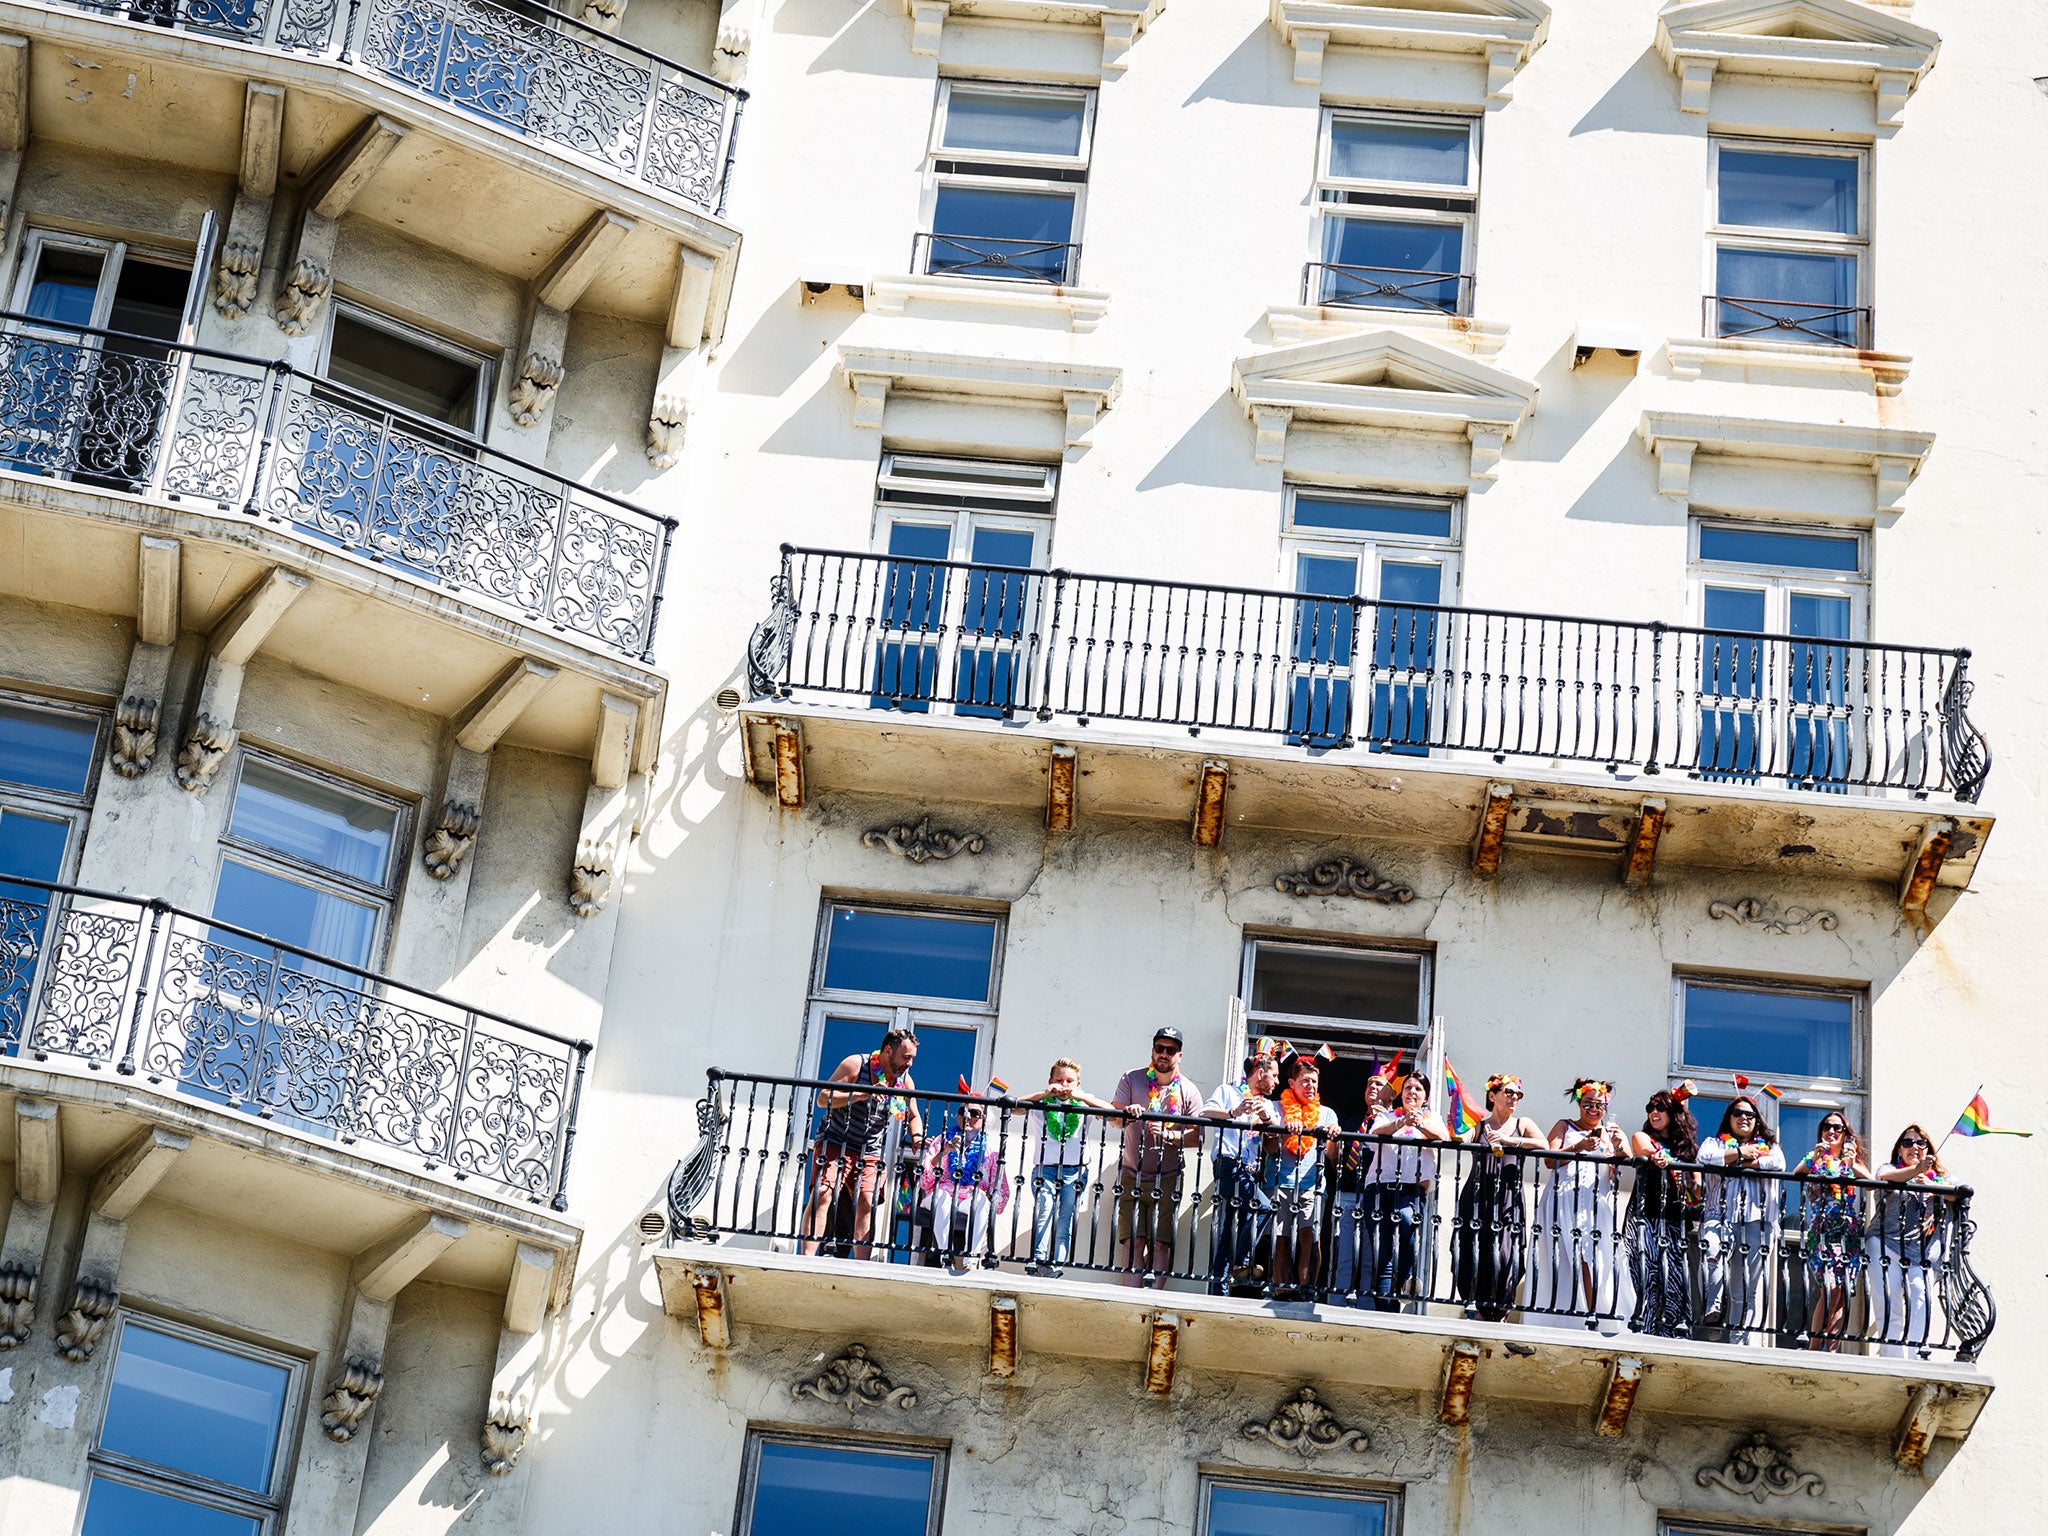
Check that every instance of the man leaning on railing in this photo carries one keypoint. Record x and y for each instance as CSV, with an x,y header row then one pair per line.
x,y
1154,1157
848,1152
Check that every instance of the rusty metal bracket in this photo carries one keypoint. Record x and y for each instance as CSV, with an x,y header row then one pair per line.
x,y
714,1316
1924,868
1618,1399
789,765
1641,859
1925,1406
1060,784
1493,830
1210,789
1163,1352
1002,1337
1461,1367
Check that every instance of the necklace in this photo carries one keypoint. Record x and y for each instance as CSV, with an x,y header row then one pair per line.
x,y
1302,1117
963,1157
898,1104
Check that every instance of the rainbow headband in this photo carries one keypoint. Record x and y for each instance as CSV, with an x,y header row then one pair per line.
x,y
1591,1085
1501,1080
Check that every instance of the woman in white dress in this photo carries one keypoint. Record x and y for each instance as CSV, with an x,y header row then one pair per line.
x,y
1578,1218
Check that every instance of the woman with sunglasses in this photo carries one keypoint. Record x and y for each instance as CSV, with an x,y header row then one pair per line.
x,y
963,1183
1576,1214
1907,1244
1735,1238
1833,1214
1665,1214
1490,1241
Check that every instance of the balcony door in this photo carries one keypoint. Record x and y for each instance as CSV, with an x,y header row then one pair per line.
x,y
47,757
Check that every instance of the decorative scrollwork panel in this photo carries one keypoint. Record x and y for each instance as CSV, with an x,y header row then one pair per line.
x,y
513,1109
213,440
90,967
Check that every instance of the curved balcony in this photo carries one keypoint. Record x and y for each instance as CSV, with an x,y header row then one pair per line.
x,y
186,426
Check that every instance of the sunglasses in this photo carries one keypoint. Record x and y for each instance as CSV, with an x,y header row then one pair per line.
x,y
1912,1141
1742,1114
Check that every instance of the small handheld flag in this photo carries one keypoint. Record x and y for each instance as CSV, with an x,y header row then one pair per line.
x,y
1460,1115
1390,1069
999,1085
1324,1053
1774,1091
1976,1121
1741,1082
964,1087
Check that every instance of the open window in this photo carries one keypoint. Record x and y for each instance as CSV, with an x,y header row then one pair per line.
x,y
1005,179
1365,1002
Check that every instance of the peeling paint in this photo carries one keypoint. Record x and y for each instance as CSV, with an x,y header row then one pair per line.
x,y
60,1407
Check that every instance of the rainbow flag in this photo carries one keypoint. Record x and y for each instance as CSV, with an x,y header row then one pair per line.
x,y
999,1085
1459,1114
1976,1121
1774,1091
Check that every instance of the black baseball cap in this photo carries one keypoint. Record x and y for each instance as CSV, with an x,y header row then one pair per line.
x,y
1168,1033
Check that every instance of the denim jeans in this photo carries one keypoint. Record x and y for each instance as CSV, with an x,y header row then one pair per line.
x,y
1238,1221
1353,1268
1055,1188
1394,1213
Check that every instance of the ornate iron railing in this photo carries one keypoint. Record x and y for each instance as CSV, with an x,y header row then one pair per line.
x,y
1827,325
528,70
1334,673
222,1014
186,424
1552,1239
1026,261
1347,286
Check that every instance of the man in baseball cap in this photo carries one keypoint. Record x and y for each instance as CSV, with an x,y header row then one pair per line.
x,y
1149,1175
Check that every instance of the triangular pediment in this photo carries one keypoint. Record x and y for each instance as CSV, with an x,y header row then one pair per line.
x,y
1383,360
1827,21
1795,40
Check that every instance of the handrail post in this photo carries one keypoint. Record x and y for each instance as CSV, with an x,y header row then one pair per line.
x,y
141,974
561,1200
267,436
1656,696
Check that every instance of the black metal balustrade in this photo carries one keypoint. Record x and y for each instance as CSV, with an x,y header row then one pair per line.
x,y
187,424
1345,285
528,70
1401,1226
992,256
222,1014
1789,320
1326,673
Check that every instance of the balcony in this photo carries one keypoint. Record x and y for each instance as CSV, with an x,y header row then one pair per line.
x,y
1388,719
1403,1274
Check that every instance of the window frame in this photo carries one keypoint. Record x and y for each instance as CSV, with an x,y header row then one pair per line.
x,y
1781,581
426,340
996,170
74,810
1296,540
1391,1498
1850,1095
1334,198
899,1010
270,1508
757,1436
38,238
1259,1023
1683,1524
1764,237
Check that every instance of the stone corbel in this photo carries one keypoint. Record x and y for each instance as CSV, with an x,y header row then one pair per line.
x,y
1487,444
1309,47
234,641
240,263
138,718
530,393
607,806
1695,83
478,729
38,1175
121,1185
1082,411
1269,433
508,1417
309,271
605,15
1893,87
14,91
729,52
1894,473
1118,33
379,1273
689,308
870,398
927,25
1674,467
1502,61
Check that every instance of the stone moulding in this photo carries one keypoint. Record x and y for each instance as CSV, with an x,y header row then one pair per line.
x,y
1343,877
1081,391
921,842
133,746
1758,1469
856,1381
504,1437
84,1322
1303,1424
1795,41
206,748
1677,439
1504,33
1119,21
349,1401
18,1286
452,838
1748,912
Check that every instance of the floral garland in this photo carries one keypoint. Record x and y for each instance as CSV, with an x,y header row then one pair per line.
x,y
898,1104
964,1158
1828,1166
1303,1116
1172,1095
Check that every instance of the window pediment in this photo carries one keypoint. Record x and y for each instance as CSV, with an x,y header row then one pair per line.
x,y
1676,438
1382,379
1082,390
1119,21
1502,32
1826,40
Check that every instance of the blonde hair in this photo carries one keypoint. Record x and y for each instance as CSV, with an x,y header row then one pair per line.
x,y
1068,1062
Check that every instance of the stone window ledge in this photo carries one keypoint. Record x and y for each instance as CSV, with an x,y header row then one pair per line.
x,y
1676,438
1119,21
1082,390
1689,357
1502,33
895,293
1293,323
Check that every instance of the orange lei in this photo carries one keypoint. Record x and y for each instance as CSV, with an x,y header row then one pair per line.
x,y
1303,1115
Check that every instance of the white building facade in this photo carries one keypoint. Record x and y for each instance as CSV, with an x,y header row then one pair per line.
x,y
562,577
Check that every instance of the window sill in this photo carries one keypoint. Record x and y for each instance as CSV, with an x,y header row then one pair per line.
x,y
1317,322
1689,357
893,294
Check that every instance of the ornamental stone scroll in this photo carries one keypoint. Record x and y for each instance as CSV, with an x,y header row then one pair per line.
x,y
1758,1469
1343,877
921,842
1303,1424
856,1381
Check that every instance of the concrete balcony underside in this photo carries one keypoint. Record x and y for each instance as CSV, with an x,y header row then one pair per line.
x,y
1153,772
364,626
1564,1368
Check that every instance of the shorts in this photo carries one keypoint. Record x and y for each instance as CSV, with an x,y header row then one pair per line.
x,y
834,1166
1297,1209
1146,1206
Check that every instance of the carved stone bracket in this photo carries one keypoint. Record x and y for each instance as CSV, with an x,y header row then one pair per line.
x,y
1343,877
506,1429
1301,1423
1748,912
304,290
665,427
349,1401
855,1380
85,1321
453,837
590,879
133,747
533,391
205,749
234,278
1759,1470
921,842
729,60
17,1304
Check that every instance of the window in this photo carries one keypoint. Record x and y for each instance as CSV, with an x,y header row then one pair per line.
x,y
1394,552
794,1487
407,368
197,1436
1806,1041
1775,695
1242,1507
1364,1003
1706,1525
1003,189
969,627
1788,242
1396,197
47,755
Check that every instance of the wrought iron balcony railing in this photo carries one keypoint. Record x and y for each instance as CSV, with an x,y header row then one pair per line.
x,y
526,69
1330,673
1399,1226
224,1015
1825,325
1347,286
991,256
185,424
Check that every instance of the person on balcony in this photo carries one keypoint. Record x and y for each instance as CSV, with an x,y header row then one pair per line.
x,y
964,1186
1488,1248
1576,1211
1353,1269
1664,1214
1149,1172
1059,1164
1239,1204
1739,1212
1397,1190
1832,1212
848,1154
1293,1178
1907,1244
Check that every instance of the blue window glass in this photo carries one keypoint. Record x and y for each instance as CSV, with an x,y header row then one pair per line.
x,y
66,286
1383,263
1319,703
292,913
910,954
992,621
1763,546
986,232
1792,296
121,1509
1352,516
1777,191
1769,1034
314,823
1236,1510
33,847
195,1408
1404,656
1015,122
801,1489
1420,154
44,749
912,599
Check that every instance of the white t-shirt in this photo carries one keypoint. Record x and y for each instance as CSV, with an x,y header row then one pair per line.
x,y
1400,1165
1052,1151
1235,1139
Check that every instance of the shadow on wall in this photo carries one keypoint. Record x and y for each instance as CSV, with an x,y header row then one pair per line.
x,y
787,339
1643,100
1215,452
1572,402
1259,72
874,40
